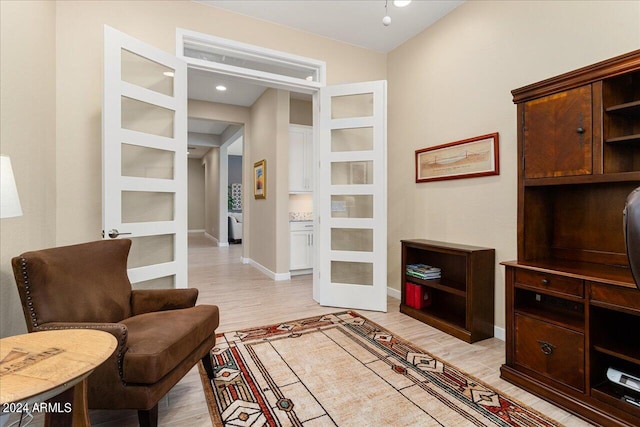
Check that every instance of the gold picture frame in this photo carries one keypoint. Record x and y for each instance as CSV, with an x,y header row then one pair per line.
x,y
260,179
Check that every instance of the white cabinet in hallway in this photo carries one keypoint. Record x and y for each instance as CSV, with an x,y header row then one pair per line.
x,y
300,159
301,247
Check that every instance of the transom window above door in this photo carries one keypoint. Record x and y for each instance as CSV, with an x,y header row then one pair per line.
x,y
230,56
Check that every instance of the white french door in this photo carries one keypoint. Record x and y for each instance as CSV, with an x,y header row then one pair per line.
x,y
352,196
144,158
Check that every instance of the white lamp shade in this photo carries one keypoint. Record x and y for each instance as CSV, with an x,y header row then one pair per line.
x,y
9,200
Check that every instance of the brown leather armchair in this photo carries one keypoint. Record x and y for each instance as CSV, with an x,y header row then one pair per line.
x,y
161,333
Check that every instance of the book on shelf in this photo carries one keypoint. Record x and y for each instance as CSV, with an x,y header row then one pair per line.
x,y
423,276
423,271
417,296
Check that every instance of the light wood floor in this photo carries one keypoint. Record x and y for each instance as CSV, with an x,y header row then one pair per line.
x,y
247,298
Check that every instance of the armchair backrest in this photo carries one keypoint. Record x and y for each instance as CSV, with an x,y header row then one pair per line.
x,y
79,283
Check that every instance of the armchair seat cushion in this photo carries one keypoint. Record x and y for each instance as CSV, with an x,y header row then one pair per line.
x,y
159,341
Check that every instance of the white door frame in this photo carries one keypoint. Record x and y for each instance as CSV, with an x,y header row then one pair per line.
x,y
185,38
311,85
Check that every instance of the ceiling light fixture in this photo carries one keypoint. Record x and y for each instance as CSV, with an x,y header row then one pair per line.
x,y
386,21
221,88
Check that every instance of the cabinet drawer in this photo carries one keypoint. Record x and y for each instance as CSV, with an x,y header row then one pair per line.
x,y
550,282
550,350
301,226
615,295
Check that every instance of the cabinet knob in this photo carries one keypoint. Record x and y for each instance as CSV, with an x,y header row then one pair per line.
x,y
546,348
580,130
545,281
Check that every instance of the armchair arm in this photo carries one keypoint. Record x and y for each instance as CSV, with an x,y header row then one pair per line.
x,y
151,300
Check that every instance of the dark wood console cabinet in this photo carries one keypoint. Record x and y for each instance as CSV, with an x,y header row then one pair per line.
x,y
572,306
462,299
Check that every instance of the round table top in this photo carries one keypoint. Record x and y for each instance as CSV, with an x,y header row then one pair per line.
x,y
49,362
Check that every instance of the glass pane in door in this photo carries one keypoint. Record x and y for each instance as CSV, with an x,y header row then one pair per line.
x,y
352,206
145,162
352,173
355,273
252,62
147,118
149,250
352,139
348,106
135,206
146,73
352,239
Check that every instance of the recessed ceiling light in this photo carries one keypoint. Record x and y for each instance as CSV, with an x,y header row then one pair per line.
x,y
168,73
401,3
221,88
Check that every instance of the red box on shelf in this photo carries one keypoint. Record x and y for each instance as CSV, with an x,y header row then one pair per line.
x,y
417,296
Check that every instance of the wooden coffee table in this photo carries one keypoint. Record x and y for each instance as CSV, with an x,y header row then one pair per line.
x,y
39,366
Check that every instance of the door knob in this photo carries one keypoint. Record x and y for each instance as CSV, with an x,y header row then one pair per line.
x,y
113,233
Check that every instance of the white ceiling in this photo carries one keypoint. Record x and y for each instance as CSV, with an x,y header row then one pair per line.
x,y
202,86
357,22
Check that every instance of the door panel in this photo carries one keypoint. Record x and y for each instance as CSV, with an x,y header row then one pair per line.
x,y
145,158
352,196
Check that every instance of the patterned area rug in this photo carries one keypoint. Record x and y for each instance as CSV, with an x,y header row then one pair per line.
x,y
342,369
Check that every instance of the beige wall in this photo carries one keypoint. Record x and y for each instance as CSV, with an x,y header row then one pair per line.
x,y
196,194
453,81
269,217
301,112
28,137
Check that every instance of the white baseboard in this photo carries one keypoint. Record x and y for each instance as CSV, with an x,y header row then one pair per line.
x,y
498,333
282,276
272,275
217,243
393,293
301,272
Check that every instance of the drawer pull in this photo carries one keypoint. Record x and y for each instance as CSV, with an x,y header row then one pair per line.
x,y
546,348
545,281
